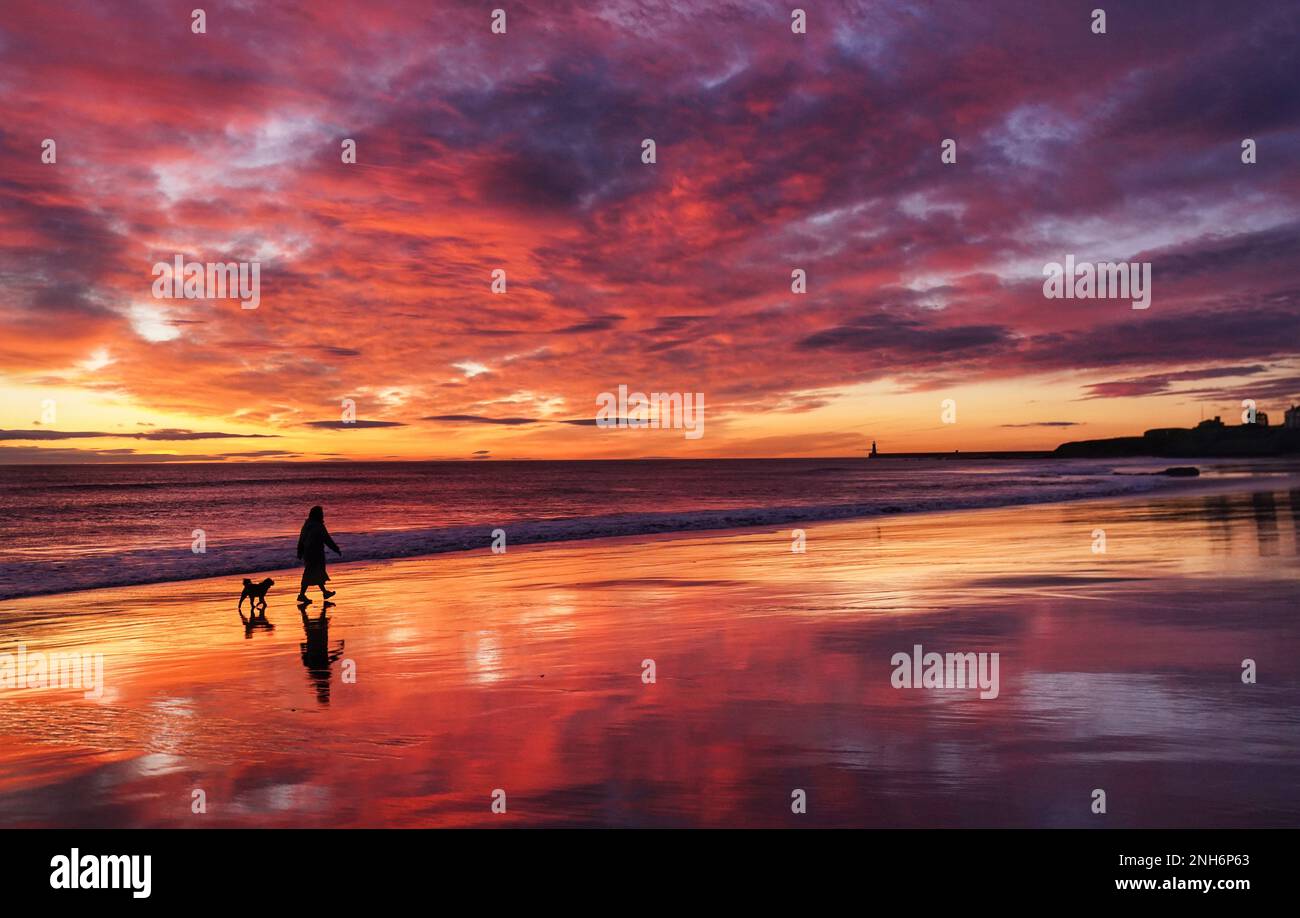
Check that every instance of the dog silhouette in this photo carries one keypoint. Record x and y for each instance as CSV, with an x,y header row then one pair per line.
x,y
255,593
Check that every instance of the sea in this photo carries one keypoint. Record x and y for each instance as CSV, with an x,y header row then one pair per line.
x,y
77,527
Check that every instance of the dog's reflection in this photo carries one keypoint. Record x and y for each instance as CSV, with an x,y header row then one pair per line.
x,y
317,653
255,621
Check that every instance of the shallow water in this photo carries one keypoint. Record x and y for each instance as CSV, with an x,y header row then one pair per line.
x,y
523,672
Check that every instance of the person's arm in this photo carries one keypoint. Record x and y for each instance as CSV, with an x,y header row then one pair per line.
x,y
330,542
301,535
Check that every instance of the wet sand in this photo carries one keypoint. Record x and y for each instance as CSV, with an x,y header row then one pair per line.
x,y
524,672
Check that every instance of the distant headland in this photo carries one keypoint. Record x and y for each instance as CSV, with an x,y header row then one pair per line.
x,y
1208,439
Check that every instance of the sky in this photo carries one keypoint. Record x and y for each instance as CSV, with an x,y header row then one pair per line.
x,y
523,152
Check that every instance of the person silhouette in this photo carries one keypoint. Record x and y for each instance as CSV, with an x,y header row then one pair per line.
x,y
312,541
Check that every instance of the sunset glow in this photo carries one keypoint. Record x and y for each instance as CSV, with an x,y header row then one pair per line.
x,y
522,152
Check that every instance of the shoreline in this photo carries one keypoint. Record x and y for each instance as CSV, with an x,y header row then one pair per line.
x,y
453,540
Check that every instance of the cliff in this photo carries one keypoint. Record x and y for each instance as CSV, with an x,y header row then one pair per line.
x,y
1210,441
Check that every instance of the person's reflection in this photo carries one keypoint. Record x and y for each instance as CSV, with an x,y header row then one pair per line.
x,y
1218,519
255,621
1265,510
317,654
1294,494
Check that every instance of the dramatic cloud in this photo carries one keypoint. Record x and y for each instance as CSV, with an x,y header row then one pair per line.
x,y
27,455
1163,383
144,435
477,419
521,153
898,339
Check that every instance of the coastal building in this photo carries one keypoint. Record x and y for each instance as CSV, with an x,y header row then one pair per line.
x,y
1292,418
1210,425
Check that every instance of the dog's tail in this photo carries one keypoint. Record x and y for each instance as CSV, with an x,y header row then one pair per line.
x,y
247,582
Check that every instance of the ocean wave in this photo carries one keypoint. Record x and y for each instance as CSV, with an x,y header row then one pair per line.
x,y
253,557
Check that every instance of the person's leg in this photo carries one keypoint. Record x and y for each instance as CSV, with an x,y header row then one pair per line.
x,y
302,590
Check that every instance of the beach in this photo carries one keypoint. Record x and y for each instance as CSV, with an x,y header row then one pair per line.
x,y
450,678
